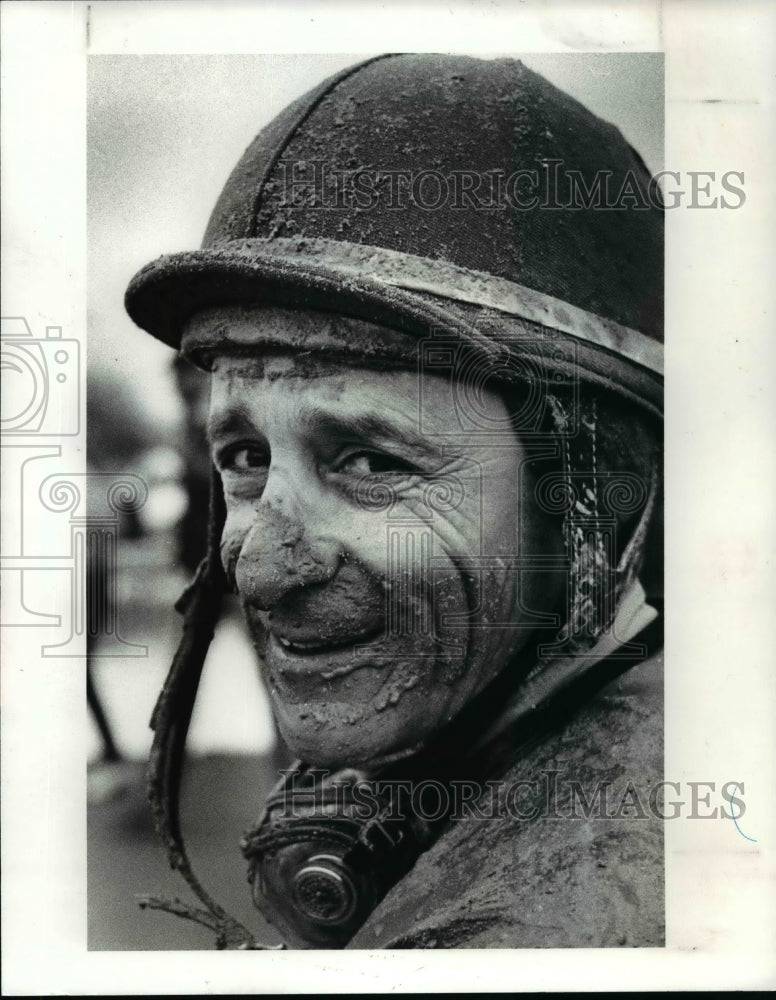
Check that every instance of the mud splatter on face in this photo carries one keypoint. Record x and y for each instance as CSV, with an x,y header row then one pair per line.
x,y
370,544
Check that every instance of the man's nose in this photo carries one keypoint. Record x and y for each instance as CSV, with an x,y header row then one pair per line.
x,y
278,556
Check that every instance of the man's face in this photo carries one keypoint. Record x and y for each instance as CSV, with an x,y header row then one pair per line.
x,y
353,541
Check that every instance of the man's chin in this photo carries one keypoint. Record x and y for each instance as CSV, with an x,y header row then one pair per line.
x,y
336,734
351,706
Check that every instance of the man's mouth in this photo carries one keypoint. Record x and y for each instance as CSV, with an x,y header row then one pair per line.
x,y
318,646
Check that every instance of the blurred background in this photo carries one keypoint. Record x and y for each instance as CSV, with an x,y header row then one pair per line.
x,y
164,133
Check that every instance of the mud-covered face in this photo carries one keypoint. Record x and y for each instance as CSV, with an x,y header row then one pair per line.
x,y
370,545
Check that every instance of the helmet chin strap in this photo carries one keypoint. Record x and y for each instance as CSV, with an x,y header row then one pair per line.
x,y
200,605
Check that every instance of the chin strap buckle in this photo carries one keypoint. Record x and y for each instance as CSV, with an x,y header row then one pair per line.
x,y
390,838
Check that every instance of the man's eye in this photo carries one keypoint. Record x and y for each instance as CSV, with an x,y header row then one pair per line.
x,y
242,458
372,463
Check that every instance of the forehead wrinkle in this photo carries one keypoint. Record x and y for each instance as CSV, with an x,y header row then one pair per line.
x,y
363,426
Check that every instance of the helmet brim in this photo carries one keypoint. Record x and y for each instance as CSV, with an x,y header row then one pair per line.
x,y
409,294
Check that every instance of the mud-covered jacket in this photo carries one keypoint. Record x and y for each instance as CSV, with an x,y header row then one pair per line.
x,y
586,871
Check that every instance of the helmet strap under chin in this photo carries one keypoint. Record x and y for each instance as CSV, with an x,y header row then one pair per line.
x,y
200,605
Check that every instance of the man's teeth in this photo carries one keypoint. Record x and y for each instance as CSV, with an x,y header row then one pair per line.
x,y
314,646
287,644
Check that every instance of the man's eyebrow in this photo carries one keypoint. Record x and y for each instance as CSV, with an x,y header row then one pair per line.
x,y
225,423
371,427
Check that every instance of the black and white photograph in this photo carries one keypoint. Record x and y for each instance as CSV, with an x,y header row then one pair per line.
x,y
420,347
371,508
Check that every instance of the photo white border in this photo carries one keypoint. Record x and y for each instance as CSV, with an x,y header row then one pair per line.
x,y
720,683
